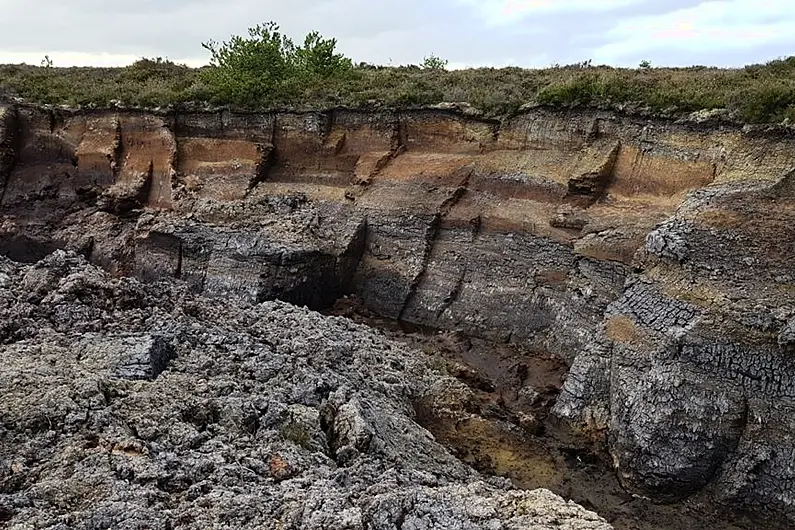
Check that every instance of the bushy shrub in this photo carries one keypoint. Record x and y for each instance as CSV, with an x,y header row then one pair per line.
x,y
267,67
769,101
434,62
145,69
318,58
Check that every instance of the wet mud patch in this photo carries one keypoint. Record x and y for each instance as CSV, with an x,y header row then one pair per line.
x,y
492,446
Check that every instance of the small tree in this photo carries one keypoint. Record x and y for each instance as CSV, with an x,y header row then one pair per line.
x,y
257,69
245,70
318,57
644,65
434,62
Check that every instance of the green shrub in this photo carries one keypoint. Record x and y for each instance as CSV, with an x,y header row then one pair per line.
x,y
267,67
317,58
145,69
583,89
766,102
434,62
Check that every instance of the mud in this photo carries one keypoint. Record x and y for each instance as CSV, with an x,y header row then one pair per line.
x,y
508,431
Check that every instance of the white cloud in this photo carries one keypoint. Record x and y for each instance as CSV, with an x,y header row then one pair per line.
x,y
60,58
467,32
511,11
716,26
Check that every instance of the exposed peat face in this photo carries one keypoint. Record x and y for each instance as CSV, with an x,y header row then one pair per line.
x,y
614,293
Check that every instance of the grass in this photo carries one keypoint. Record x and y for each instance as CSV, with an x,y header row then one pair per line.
x,y
763,93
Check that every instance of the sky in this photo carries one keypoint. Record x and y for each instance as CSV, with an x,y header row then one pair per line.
x,y
527,33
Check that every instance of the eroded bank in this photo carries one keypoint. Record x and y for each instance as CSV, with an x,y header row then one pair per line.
x,y
652,256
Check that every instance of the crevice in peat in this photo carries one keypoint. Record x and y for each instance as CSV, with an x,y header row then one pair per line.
x,y
431,235
501,429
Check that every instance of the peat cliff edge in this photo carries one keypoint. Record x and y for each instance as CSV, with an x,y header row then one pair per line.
x,y
655,257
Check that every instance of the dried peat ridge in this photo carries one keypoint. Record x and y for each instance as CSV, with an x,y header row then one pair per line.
x,y
652,257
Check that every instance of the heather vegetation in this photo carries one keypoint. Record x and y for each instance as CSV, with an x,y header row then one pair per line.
x,y
267,69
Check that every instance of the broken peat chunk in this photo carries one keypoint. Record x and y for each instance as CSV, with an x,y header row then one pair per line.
x,y
143,358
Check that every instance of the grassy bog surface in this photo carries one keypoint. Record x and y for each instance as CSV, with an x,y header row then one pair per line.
x,y
755,94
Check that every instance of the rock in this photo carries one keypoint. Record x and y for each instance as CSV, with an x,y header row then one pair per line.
x,y
123,197
570,218
584,402
8,143
786,337
665,242
145,358
350,431
709,115
280,469
178,411
462,507
530,423
591,183
695,355
671,431
295,257
763,460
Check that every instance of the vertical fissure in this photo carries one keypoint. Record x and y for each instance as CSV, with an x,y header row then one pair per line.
x,y
9,147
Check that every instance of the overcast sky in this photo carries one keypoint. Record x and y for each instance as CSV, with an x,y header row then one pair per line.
x,y
532,33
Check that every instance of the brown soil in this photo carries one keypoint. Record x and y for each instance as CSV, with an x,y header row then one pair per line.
x,y
509,434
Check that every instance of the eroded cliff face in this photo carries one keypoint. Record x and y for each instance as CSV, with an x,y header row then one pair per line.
x,y
693,374
653,256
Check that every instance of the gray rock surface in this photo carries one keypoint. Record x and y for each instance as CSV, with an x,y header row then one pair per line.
x,y
132,406
275,248
694,373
